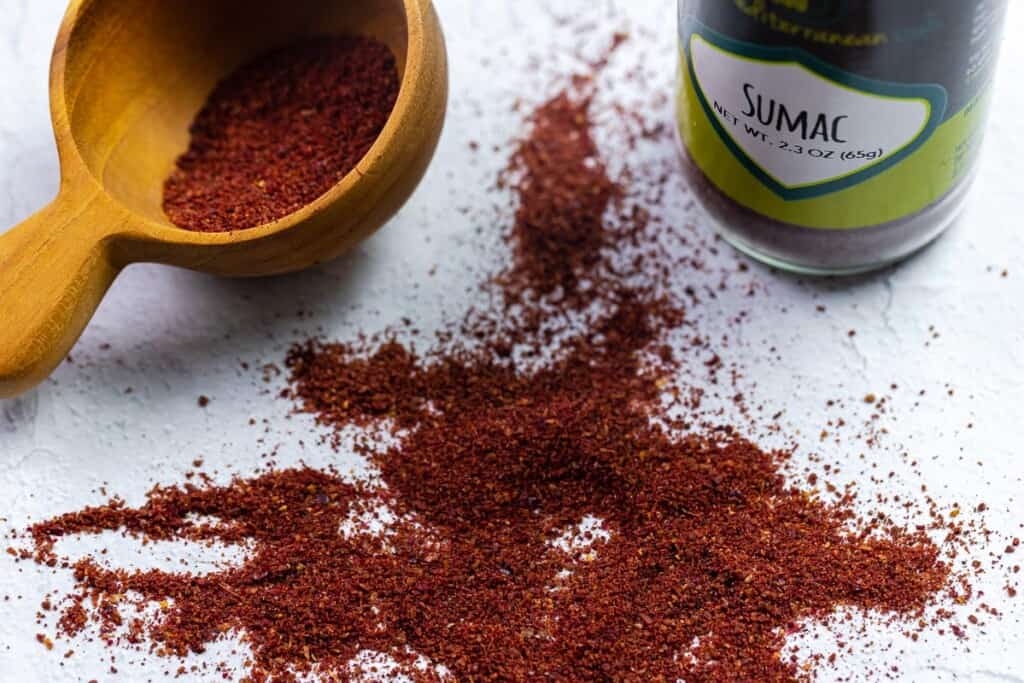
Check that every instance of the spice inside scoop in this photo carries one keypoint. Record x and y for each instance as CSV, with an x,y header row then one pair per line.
x,y
280,131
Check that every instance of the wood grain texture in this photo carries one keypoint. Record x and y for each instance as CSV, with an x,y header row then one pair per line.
x,y
127,76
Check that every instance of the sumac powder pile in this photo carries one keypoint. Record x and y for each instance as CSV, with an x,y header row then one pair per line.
x,y
281,131
539,515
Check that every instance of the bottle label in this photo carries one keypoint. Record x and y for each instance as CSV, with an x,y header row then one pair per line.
x,y
803,128
835,115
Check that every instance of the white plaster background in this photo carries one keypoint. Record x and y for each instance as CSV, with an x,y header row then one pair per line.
x,y
174,335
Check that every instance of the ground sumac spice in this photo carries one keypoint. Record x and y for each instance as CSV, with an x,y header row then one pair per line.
x,y
564,192
281,131
538,516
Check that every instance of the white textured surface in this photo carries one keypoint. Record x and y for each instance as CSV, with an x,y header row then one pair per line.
x,y
174,335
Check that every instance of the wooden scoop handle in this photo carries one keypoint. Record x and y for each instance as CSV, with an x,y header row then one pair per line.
x,y
54,269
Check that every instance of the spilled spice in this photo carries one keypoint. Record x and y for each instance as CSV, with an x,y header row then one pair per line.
x,y
281,131
564,191
538,516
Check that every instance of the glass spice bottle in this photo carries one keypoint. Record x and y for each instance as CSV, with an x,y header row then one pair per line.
x,y
834,136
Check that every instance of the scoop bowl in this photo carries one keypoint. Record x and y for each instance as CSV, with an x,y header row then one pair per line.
x,y
126,79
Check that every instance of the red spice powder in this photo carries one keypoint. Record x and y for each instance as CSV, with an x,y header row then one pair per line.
x,y
281,131
711,556
706,559
564,192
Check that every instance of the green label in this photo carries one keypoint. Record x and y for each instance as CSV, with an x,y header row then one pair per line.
x,y
798,140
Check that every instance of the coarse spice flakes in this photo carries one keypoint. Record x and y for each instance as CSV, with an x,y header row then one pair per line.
x,y
281,131
544,517
564,192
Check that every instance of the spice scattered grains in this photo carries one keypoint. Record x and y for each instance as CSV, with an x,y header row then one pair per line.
x,y
548,520
707,543
564,193
281,131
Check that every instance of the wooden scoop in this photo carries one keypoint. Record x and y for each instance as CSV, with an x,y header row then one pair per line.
x,y
126,79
